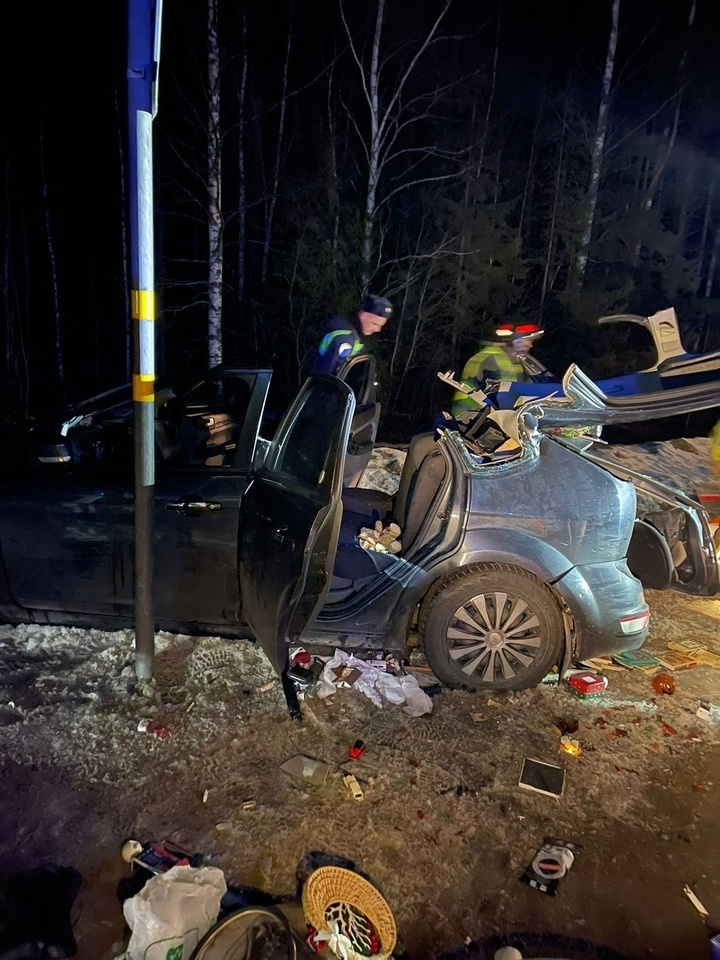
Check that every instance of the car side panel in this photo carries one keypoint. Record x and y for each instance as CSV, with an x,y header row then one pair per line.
x,y
552,513
598,595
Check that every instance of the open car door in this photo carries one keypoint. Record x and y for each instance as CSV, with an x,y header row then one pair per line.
x,y
359,374
290,517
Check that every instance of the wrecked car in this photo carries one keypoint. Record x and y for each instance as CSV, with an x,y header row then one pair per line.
x,y
512,561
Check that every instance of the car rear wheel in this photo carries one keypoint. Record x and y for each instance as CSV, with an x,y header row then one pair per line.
x,y
491,627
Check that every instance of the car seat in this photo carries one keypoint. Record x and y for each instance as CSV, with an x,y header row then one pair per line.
x,y
421,478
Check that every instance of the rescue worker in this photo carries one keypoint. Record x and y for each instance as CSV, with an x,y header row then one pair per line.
x,y
496,360
346,336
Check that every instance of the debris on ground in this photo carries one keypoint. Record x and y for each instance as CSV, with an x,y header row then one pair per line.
x,y
588,684
550,864
637,660
699,906
542,777
307,769
663,683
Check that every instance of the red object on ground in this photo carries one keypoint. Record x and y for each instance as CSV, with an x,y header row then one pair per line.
x,y
663,683
153,728
302,658
588,683
356,750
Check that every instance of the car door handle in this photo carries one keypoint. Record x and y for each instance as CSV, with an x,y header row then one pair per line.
x,y
279,535
189,507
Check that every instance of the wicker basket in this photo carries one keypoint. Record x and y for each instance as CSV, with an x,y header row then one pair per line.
x,y
327,887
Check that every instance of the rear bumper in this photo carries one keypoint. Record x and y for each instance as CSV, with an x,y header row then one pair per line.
x,y
599,595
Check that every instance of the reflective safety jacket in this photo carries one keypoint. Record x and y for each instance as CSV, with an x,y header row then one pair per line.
x,y
489,363
340,342
715,450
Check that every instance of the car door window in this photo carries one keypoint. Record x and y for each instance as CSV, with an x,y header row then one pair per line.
x,y
305,451
197,423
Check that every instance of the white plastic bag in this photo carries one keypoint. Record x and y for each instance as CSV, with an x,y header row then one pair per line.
x,y
173,912
381,688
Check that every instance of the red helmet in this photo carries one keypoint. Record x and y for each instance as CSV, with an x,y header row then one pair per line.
x,y
518,331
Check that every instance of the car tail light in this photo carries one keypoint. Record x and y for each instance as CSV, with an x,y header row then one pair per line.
x,y
635,623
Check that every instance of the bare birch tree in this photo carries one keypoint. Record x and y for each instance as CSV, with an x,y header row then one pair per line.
x,y
271,202
214,173
53,270
389,114
598,149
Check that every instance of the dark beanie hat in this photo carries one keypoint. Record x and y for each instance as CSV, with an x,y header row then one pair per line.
x,y
377,305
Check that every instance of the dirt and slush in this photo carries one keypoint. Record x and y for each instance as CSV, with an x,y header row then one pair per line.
x,y
443,828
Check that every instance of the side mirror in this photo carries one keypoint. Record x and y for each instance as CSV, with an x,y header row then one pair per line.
x,y
52,453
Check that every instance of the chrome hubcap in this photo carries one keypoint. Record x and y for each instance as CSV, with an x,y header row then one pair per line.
x,y
494,636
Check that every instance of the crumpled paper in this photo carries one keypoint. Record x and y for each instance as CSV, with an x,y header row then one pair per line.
x,y
379,687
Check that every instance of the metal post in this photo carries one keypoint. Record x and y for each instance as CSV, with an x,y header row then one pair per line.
x,y
143,51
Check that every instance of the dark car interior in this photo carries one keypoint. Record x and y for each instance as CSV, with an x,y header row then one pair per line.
x,y
420,483
197,423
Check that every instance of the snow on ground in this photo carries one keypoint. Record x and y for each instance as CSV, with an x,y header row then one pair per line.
x,y
443,829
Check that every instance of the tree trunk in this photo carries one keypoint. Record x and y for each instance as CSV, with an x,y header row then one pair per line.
x,y
530,179
373,153
270,208
546,287
53,274
704,232
598,150
242,188
215,224
712,269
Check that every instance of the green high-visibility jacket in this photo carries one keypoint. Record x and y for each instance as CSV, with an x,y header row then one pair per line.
x,y
493,360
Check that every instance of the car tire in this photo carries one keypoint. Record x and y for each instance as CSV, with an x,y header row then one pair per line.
x,y
512,653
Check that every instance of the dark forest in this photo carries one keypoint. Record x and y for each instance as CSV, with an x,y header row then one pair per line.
x,y
471,161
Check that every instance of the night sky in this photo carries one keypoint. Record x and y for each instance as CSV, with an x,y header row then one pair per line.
x,y
62,223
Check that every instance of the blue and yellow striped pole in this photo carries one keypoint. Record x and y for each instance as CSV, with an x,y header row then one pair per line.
x,y
144,17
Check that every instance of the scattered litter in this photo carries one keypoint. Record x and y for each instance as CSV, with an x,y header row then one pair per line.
x,y
249,805
689,647
696,651
301,674
356,750
550,864
602,663
173,911
223,826
569,746
205,796
708,711
587,683
677,661
353,786
479,717
153,728
695,902
547,778
565,725
299,656
668,731
663,683
493,703
307,769
267,686
637,660
707,659
381,688
130,849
